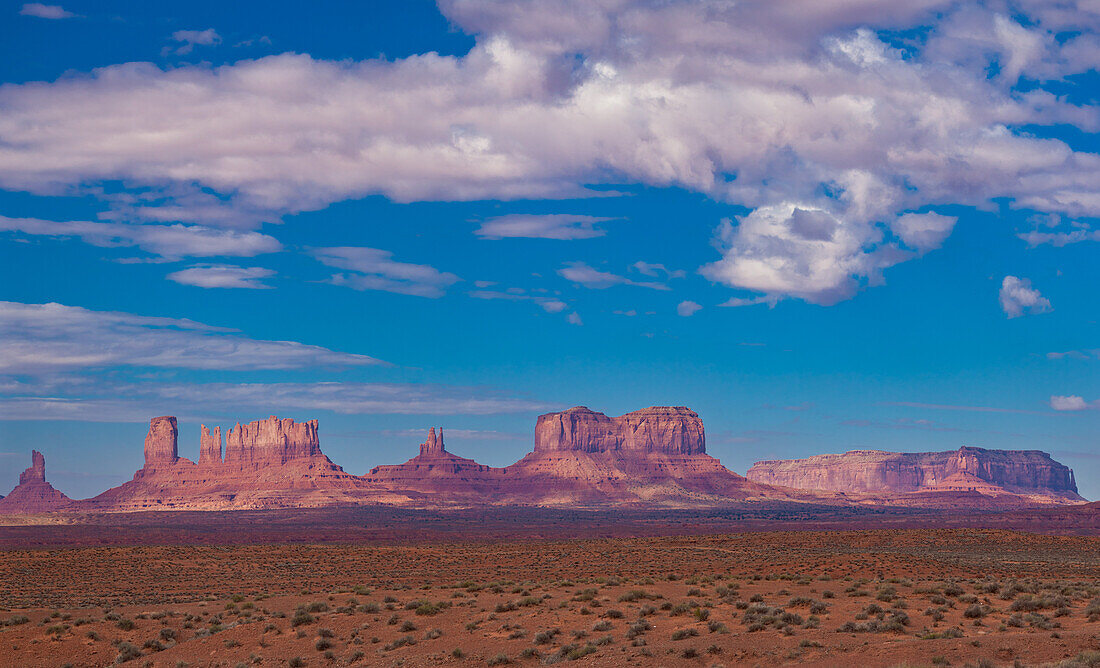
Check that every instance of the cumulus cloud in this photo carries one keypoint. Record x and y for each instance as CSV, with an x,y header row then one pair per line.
x,y
46,338
923,231
582,274
1019,298
1071,403
375,269
45,11
687,308
824,121
574,319
169,241
223,276
553,226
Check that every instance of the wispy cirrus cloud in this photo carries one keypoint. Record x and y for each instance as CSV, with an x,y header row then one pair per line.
x,y
560,226
582,274
135,402
43,11
48,338
223,276
168,241
375,269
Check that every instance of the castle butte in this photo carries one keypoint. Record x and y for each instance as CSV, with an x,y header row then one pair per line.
x,y
1029,475
581,458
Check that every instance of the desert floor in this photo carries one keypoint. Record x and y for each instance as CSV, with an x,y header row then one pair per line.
x,y
850,598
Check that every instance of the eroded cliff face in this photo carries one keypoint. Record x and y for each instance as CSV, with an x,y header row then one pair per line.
x,y
210,445
160,442
272,463
33,494
272,441
661,429
991,472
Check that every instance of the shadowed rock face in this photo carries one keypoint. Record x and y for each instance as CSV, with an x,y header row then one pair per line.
x,y
160,442
1027,472
33,494
661,429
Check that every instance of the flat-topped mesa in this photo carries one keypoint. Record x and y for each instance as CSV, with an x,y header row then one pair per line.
x,y
210,445
37,471
160,442
670,430
433,447
1024,472
272,441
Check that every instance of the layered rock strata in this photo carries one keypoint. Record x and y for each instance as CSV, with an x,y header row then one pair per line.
x,y
33,494
1028,473
267,464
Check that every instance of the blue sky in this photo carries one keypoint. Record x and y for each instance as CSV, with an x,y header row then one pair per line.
x,y
822,232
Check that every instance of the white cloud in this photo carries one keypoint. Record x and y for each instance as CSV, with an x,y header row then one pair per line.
x,y
223,276
1019,298
650,269
548,304
47,338
45,11
1071,403
1058,239
805,252
687,308
553,226
574,319
193,38
803,114
374,269
582,274
169,241
734,302
923,231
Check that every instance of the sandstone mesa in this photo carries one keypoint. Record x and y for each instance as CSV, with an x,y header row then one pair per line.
x,y
651,457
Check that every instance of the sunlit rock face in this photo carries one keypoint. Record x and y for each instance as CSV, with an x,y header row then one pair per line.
x,y
670,430
1024,472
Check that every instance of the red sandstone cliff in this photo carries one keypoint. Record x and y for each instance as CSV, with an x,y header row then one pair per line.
x,y
655,455
33,494
1029,474
267,464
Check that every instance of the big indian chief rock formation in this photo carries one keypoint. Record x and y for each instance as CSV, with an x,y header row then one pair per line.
x,y
1029,475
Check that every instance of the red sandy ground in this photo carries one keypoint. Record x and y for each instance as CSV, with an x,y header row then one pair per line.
x,y
473,603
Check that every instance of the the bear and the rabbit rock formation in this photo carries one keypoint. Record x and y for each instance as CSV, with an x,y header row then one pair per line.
x,y
655,456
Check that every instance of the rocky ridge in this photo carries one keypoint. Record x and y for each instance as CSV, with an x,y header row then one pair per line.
x,y
653,457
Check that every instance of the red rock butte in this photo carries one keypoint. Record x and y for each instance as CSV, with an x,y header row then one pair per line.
x,y
1029,474
33,494
582,458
